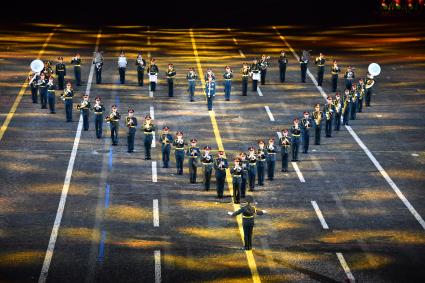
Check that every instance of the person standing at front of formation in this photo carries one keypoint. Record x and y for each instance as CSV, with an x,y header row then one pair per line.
x,y
191,80
210,92
76,61
283,61
141,65
122,65
227,76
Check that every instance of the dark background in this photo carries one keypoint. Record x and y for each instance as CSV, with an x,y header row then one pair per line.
x,y
199,12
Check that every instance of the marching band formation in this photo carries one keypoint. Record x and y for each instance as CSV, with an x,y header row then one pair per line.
x,y
246,168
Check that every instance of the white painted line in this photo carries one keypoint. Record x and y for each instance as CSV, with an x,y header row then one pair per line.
x,y
259,91
379,115
153,139
155,213
365,149
152,113
319,215
269,113
66,184
157,256
241,53
279,135
150,91
387,177
154,172
300,175
344,265
415,154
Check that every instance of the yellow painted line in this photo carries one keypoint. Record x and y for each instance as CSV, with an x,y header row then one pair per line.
x,y
249,255
23,88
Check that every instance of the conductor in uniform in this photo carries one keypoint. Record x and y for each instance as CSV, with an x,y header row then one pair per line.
x,y
249,211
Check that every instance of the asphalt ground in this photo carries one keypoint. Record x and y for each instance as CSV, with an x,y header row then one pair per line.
x,y
107,233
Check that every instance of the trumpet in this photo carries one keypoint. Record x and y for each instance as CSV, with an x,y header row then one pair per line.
x,y
129,121
110,117
83,105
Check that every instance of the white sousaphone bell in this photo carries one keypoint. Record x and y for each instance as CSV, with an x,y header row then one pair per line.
x,y
374,69
37,66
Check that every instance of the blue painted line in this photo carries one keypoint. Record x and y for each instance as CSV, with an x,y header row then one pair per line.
x,y
102,247
107,195
117,100
110,158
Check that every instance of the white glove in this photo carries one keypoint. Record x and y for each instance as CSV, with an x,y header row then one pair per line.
x,y
264,211
230,213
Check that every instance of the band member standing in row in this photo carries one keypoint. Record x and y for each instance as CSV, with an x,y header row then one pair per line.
x,y
220,165
320,62
33,83
98,110
60,72
98,65
306,124
283,61
305,57
329,113
252,168
153,71
295,139
131,123
236,172
264,64
227,76
48,71
166,139
349,77
317,119
191,80
193,153
346,108
245,75
208,163
261,160
255,73
244,164
361,90
369,84
84,108
210,92
51,97
114,123
67,96
335,70
354,102
285,143
179,144
271,159
122,65
338,108
42,89
148,130
141,65
171,73
76,61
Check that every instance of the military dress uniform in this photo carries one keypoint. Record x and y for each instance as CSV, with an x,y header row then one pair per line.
x,y
283,62
329,110
131,123
60,72
153,71
335,70
166,140
208,163
338,111
84,108
98,110
252,168
304,65
369,90
42,88
210,93
227,76
254,70
179,144
361,90
122,66
271,159
284,143
220,166
264,64
33,82
51,96
148,130
114,123
354,102
248,213
236,172
306,124
295,140
191,80
76,61
141,65
345,111
245,165
171,73
209,74
261,160
98,66
349,77
67,96
320,62
193,154
245,76
317,120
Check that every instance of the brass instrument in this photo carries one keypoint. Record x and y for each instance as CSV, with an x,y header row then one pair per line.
x,y
129,121
110,117
370,83
344,108
318,117
165,139
285,142
83,105
65,93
